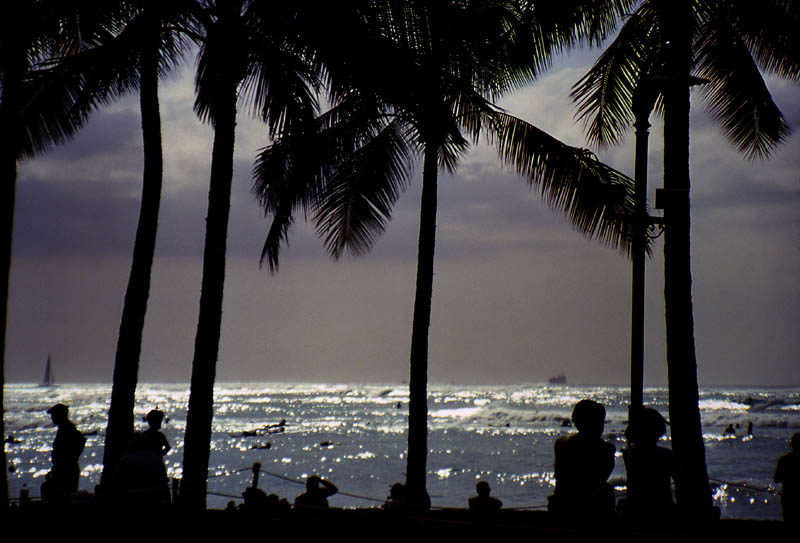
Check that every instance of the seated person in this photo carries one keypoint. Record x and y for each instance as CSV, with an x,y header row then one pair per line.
x,y
139,478
483,501
583,462
650,467
787,472
315,496
397,494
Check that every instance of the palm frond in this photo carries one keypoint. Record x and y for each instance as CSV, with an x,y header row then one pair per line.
x,y
281,87
605,93
770,29
48,114
356,202
306,168
593,195
736,94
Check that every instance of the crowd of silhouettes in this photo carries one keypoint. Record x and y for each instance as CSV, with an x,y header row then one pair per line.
x,y
583,463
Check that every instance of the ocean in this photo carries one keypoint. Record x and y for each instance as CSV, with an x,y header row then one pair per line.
x,y
355,436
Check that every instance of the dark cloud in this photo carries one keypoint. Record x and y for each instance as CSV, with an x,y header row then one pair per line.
x,y
73,217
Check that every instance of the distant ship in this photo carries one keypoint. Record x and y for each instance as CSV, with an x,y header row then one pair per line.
x,y
559,379
48,379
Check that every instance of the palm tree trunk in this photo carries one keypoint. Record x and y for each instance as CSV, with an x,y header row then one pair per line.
x,y
692,488
9,127
8,180
129,345
416,467
197,444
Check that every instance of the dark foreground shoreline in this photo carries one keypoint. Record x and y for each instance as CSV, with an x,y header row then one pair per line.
x,y
367,525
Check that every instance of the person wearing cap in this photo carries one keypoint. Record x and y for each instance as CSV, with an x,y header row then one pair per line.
x,y
650,468
583,463
67,448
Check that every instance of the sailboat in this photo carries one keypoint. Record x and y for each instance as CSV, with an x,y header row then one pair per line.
x,y
48,379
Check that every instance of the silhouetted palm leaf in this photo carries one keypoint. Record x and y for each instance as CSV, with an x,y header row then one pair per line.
x,y
357,202
605,93
570,179
728,35
736,94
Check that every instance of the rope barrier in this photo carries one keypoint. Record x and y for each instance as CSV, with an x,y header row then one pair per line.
x,y
295,481
746,486
223,495
230,473
526,508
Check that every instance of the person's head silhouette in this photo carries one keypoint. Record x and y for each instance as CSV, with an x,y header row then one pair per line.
x,y
646,426
312,483
154,418
397,491
483,490
58,413
589,418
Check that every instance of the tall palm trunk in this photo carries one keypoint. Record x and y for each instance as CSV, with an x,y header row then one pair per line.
x,y
692,488
416,467
197,445
10,125
129,344
8,187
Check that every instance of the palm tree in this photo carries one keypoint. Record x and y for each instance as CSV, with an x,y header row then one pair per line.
x,y
441,64
247,52
38,108
148,47
725,42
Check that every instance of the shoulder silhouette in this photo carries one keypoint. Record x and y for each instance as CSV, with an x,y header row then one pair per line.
x,y
650,468
483,501
583,463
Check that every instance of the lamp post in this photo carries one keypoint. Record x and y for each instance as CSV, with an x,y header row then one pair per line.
x,y
644,100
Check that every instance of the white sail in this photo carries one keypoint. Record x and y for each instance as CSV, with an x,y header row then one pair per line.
x,y
48,379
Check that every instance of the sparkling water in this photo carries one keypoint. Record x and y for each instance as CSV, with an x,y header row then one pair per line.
x,y
355,435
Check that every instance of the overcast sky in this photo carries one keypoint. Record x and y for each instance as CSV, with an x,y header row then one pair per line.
x,y
518,294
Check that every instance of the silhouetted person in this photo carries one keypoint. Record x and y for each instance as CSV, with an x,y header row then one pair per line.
x,y
256,499
139,479
397,494
750,427
316,496
729,431
483,501
67,448
156,440
787,472
583,462
650,468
